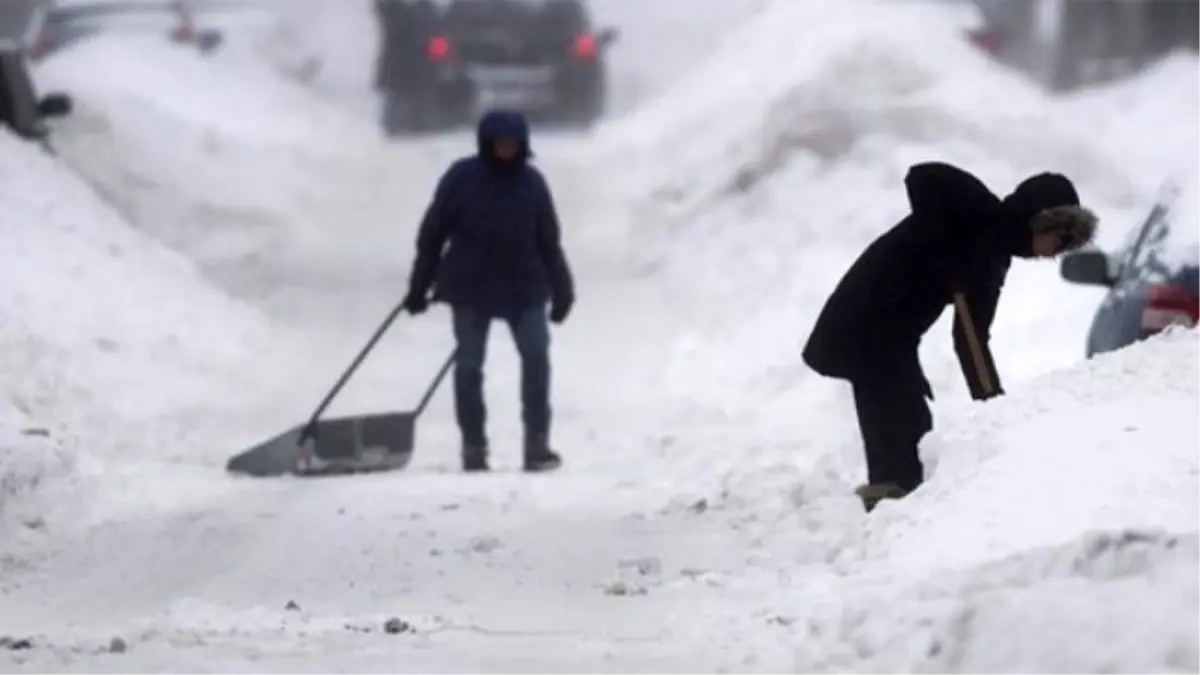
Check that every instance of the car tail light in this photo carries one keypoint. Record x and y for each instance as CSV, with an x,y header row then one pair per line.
x,y
585,47
1168,305
439,48
985,39
184,31
42,45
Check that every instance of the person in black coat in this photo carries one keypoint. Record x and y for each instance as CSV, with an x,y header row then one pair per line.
x,y
489,246
954,248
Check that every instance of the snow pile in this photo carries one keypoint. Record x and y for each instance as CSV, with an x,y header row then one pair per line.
x,y
1156,100
771,169
1056,532
221,157
41,478
1149,120
337,42
100,328
149,74
658,43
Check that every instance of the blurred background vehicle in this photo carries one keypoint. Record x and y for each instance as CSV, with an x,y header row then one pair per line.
x,y
1153,280
61,23
439,65
1066,44
21,108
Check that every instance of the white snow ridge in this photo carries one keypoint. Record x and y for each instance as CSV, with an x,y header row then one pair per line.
x,y
1057,531
704,520
100,330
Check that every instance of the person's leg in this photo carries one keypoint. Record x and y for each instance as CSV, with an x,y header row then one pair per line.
x,y
471,334
910,420
893,417
871,402
531,333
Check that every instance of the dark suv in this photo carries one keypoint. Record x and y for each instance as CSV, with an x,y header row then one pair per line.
x,y
440,67
1153,279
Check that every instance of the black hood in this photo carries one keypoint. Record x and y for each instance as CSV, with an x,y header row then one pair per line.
x,y
1044,202
503,124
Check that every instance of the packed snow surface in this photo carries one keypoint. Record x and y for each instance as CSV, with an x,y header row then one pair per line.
x,y
226,239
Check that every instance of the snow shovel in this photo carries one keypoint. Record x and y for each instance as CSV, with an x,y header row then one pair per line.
x,y
344,445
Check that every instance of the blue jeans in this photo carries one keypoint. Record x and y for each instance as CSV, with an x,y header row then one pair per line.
x,y
530,329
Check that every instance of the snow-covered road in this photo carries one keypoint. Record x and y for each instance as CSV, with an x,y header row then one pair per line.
x,y
244,237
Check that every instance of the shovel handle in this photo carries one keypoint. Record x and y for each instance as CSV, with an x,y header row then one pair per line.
x,y
973,344
341,382
433,386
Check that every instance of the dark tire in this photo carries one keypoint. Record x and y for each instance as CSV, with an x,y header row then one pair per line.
x,y
585,105
396,115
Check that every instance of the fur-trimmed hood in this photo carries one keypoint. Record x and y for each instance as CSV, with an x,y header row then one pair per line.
x,y
1048,202
1074,225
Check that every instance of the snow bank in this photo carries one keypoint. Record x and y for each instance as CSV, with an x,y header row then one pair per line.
x,y
1056,532
41,478
658,43
100,328
758,179
342,37
222,157
1149,123
1148,120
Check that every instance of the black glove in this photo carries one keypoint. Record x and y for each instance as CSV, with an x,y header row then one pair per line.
x,y
560,308
415,303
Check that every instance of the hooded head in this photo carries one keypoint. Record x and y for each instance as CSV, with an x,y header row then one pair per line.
x,y
1051,218
503,138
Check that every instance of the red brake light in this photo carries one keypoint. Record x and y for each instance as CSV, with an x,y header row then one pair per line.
x,y
1166,295
42,45
185,30
987,40
585,47
184,33
439,48
1168,305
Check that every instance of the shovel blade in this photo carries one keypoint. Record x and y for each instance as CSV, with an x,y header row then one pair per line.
x,y
344,445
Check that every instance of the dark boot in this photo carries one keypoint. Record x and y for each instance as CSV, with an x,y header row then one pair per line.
x,y
539,456
474,458
872,494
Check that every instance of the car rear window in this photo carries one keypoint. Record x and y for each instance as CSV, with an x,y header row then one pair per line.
x,y
554,16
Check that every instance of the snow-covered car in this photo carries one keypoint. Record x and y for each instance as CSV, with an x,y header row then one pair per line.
x,y
441,64
63,23
1153,278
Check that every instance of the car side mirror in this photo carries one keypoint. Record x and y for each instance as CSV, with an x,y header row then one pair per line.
x,y
57,104
1089,268
607,36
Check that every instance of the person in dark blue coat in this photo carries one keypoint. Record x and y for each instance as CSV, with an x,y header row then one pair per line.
x,y
490,247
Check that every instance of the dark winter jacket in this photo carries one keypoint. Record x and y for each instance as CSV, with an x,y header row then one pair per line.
x,y
958,238
490,239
